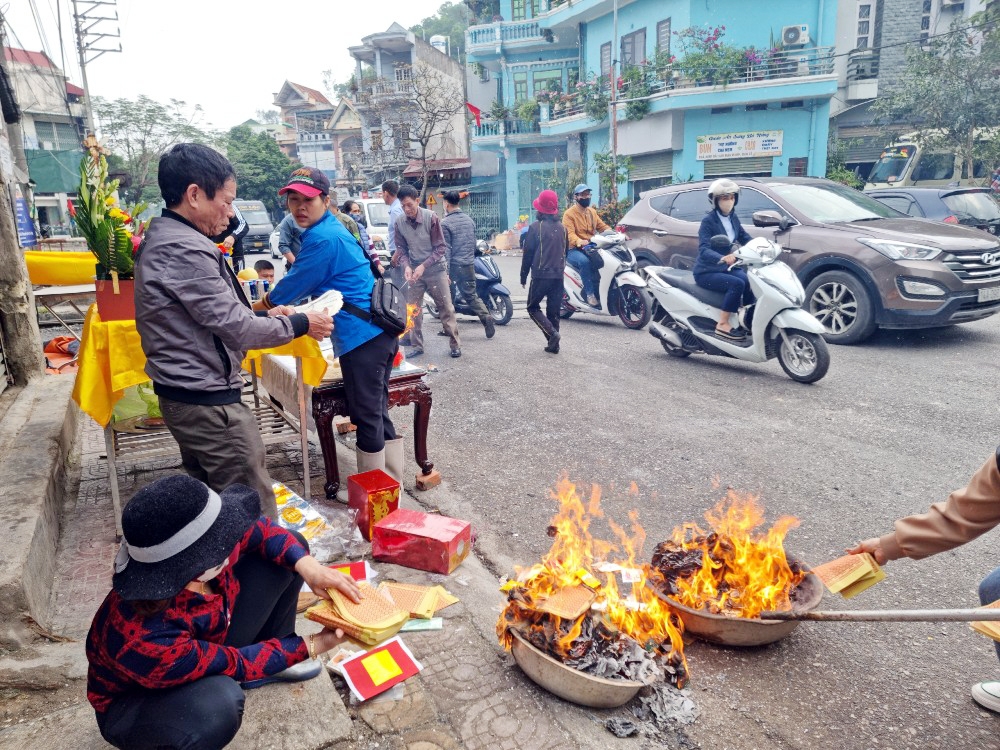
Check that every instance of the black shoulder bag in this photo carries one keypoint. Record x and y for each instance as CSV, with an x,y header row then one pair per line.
x,y
388,309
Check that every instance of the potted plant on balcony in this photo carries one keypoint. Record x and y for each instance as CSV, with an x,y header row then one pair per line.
x,y
111,234
635,85
527,111
594,95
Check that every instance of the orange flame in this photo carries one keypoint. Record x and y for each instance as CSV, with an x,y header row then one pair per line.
x,y
412,311
573,562
743,570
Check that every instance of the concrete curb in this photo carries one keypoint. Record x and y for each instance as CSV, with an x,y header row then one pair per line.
x,y
35,447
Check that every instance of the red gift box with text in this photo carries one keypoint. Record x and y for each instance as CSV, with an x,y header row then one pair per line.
x,y
424,541
374,495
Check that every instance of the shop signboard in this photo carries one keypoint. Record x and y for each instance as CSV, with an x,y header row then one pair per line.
x,y
740,145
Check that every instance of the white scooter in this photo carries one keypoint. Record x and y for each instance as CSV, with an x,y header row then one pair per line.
x,y
622,289
685,314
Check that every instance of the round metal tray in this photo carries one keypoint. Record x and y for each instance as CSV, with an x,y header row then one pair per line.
x,y
743,632
568,683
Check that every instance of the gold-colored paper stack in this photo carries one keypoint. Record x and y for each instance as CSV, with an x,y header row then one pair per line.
x,y
850,575
373,620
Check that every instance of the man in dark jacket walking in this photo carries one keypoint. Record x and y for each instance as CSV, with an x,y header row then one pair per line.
x,y
545,255
460,236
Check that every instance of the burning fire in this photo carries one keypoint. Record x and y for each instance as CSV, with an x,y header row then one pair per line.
x,y
412,311
568,581
734,569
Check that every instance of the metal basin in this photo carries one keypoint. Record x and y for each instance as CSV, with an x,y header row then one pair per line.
x,y
739,631
568,683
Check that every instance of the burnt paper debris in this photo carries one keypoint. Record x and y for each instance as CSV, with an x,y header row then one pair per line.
x,y
664,704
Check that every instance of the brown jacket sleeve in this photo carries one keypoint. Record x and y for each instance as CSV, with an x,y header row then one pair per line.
x,y
965,515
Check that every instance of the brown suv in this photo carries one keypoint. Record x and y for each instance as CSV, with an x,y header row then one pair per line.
x,y
864,265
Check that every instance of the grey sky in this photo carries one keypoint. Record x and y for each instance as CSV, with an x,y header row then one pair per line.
x,y
228,56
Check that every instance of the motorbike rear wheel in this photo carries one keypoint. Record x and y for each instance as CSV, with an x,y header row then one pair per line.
x,y
501,308
807,358
633,307
565,311
431,307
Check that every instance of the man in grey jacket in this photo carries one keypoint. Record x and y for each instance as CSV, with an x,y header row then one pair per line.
x,y
420,251
196,324
460,236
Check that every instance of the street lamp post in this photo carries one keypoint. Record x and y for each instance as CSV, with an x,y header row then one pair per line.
x,y
613,127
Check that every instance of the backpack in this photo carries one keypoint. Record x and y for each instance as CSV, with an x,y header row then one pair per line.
x,y
388,309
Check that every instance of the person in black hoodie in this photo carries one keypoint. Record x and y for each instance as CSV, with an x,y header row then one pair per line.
x,y
545,256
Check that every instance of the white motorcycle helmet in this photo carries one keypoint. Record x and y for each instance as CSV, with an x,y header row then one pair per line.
x,y
723,186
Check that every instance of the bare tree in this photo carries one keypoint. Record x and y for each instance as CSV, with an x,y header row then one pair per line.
x,y
437,98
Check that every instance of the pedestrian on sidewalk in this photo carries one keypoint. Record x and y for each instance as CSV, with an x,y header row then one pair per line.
x,y
421,249
545,256
331,258
965,515
195,324
460,236
202,607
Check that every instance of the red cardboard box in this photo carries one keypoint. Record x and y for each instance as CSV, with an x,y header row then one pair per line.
x,y
374,495
420,540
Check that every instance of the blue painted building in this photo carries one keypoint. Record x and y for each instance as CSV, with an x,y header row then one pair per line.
x,y
763,113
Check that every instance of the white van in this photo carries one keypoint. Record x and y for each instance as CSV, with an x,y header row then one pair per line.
x,y
908,164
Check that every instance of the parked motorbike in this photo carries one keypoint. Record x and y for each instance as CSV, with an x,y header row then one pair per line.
x,y
489,287
621,290
685,314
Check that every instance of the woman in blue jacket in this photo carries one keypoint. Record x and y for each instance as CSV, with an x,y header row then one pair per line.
x,y
708,273
331,258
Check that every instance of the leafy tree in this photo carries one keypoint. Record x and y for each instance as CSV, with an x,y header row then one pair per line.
x,y
949,92
261,167
268,116
139,132
483,11
836,163
451,20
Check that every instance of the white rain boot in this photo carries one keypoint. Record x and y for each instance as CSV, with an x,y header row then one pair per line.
x,y
369,461
394,459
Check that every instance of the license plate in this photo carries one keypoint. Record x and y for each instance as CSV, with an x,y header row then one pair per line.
x,y
258,244
989,294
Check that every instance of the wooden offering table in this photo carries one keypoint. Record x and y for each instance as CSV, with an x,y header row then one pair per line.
x,y
406,386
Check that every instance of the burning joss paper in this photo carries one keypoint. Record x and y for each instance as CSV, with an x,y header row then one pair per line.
x,y
565,607
735,568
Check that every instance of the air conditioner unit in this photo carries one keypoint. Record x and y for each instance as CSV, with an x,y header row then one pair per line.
x,y
795,36
48,146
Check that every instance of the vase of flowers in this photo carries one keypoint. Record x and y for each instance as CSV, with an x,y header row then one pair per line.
x,y
111,233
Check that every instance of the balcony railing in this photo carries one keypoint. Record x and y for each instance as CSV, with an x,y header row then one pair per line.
x,y
503,32
658,82
498,128
862,65
383,88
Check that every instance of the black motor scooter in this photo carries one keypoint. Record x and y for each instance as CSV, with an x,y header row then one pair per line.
x,y
489,287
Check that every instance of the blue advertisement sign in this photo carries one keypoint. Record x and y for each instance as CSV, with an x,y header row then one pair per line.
x,y
25,226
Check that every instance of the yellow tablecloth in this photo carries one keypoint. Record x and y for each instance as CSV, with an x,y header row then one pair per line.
x,y
48,268
111,360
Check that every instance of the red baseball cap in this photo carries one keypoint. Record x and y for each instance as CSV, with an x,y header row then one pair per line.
x,y
308,181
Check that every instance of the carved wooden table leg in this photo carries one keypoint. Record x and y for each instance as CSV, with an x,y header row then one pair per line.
x,y
421,418
324,410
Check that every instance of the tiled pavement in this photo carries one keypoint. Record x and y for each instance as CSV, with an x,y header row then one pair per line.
x,y
469,695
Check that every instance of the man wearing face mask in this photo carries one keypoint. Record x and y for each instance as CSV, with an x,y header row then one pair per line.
x,y
710,270
582,222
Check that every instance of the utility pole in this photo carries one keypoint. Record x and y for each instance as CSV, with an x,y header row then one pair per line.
x,y
613,127
90,40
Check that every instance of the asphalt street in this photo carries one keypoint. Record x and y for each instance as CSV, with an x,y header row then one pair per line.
x,y
897,424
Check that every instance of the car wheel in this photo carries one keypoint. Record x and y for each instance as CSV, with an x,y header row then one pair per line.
x,y
840,302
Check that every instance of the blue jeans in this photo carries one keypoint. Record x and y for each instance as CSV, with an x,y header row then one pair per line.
x,y
733,283
989,592
579,260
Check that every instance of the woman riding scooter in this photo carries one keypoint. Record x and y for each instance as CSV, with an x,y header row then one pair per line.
x,y
723,194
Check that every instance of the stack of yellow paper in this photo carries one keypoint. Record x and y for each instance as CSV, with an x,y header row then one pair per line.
x,y
373,620
990,628
850,575
418,600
